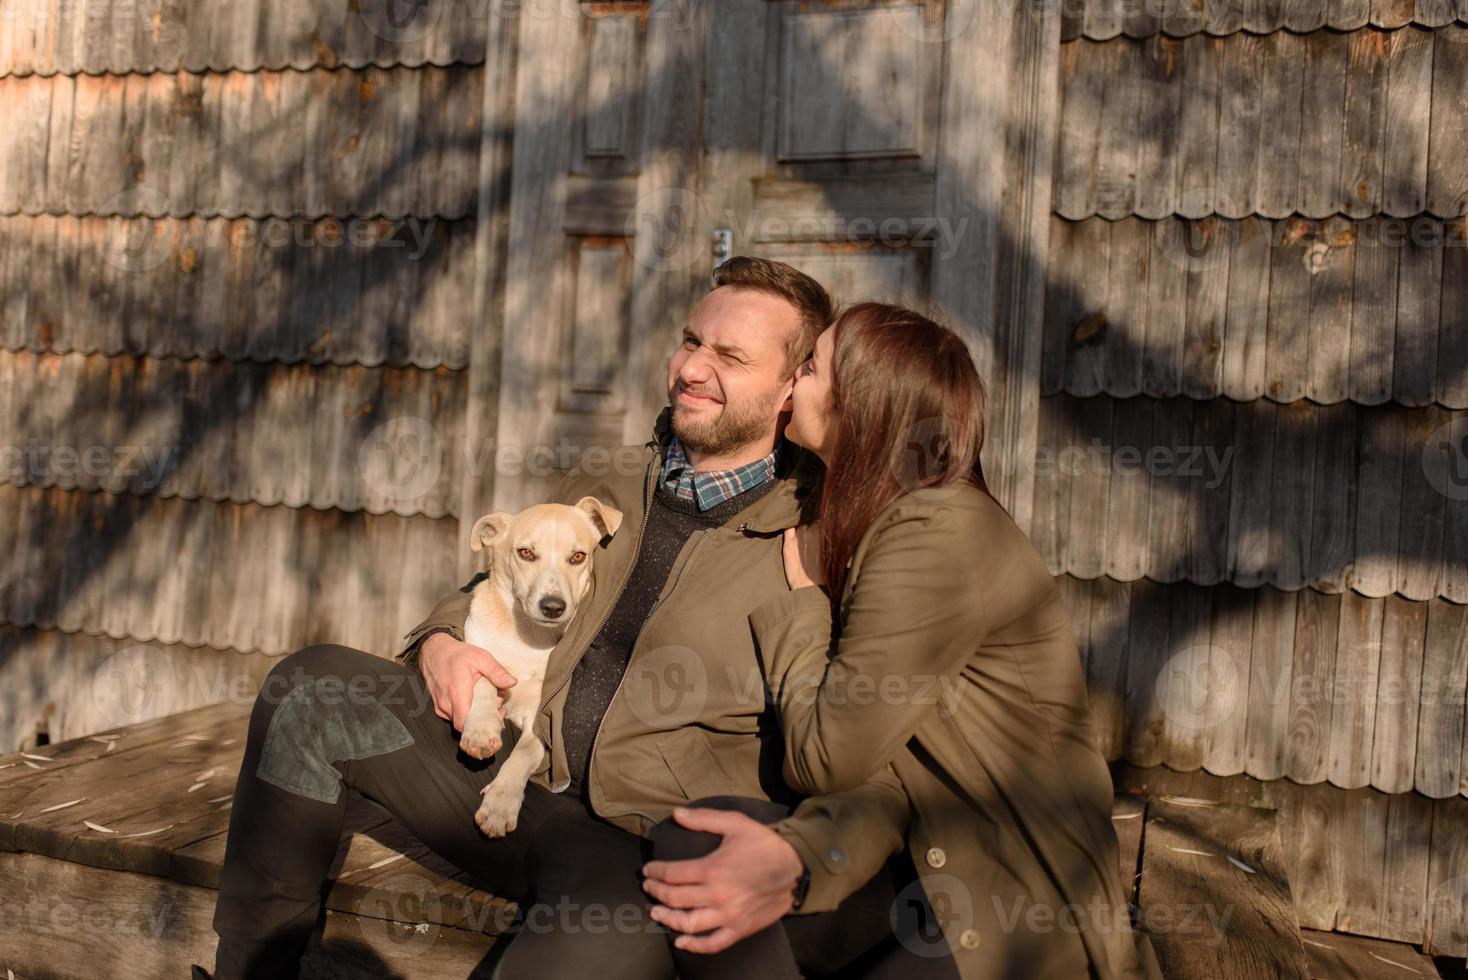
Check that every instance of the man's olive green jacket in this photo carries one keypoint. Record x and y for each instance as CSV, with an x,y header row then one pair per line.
x,y
691,719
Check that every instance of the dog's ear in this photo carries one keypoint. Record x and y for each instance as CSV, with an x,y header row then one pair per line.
x,y
486,529
606,519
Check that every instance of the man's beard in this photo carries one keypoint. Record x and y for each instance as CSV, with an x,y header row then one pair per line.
x,y
729,431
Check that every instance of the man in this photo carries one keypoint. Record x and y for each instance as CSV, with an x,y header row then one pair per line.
x,y
653,699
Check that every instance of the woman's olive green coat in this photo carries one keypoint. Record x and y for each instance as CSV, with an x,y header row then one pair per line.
x,y
955,666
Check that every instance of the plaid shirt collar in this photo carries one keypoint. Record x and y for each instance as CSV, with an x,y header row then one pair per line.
x,y
711,488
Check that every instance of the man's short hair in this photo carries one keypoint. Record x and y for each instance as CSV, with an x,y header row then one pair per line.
x,y
810,299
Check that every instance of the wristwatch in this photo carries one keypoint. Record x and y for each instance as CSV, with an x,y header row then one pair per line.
x,y
802,887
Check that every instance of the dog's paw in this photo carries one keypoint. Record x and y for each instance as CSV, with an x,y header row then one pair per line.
x,y
479,742
480,748
498,813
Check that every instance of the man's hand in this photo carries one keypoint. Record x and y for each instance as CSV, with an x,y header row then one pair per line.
x,y
746,884
451,668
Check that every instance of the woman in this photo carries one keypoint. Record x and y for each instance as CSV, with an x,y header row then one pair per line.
x,y
953,660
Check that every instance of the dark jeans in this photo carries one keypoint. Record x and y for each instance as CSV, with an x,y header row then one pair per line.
x,y
854,940
329,716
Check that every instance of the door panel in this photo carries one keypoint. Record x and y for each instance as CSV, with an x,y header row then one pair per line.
x,y
875,144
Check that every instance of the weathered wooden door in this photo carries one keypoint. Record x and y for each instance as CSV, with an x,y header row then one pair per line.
x,y
874,144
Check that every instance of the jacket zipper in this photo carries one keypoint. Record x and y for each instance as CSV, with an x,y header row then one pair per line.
x,y
591,755
646,512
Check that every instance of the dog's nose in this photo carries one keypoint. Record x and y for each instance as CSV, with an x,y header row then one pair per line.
x,y
551,607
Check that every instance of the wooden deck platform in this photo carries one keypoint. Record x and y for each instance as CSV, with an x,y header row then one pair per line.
x,y
111,846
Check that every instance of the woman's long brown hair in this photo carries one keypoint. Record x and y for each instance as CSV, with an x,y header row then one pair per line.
x,y
910,414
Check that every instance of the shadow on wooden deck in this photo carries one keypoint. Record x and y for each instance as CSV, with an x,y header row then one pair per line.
x,y
114,843
111,847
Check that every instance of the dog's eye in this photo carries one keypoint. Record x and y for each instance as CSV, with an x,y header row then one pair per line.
x,y
525,553
578,557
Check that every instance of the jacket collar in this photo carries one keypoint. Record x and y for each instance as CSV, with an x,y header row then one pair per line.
x,y
797,472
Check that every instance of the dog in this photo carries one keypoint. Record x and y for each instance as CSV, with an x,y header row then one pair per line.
x,y
539,571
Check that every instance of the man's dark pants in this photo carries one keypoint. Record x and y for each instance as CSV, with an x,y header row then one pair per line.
x,y
329,716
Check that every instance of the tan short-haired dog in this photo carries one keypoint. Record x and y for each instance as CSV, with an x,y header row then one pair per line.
x,y
539,571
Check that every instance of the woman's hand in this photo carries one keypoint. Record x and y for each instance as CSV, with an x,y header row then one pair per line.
x,y
803,556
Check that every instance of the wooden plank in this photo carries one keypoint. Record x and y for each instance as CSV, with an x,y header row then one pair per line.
x,y
1031,62
1363,152
1332,270
1060,295
1271,676
1452,340
1304,16
1399,690
1126,305
115,743
1106,667
1321,193
1291,284
1446,929
1276,190
1251,541
1084,544
1420,544
1362,834
1210,242
1332,546
802,210
1123,110
1198,128
1174,492
1210,458
1192,860
1157,158
1230,690
1373,316
1083,334
1242,77
1083,86
159,927
1292,509
121,793
1339,956
1051,522
1408,122
1167,309
1196,688
1378,479
1451,449
1148,648
1404,878
1312,819
1246,334
1439,767
1317,627
1353,691
1447,164
1419,314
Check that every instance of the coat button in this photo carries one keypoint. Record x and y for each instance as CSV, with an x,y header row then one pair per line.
x,y
936,857
969,939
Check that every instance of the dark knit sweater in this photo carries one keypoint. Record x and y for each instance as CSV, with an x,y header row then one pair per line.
x,y
594,681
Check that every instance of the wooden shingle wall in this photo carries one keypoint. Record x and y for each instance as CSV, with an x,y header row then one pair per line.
x,y
237,265
1252,477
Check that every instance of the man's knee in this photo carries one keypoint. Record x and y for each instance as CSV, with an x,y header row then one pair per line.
x,y
324,704
673,842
